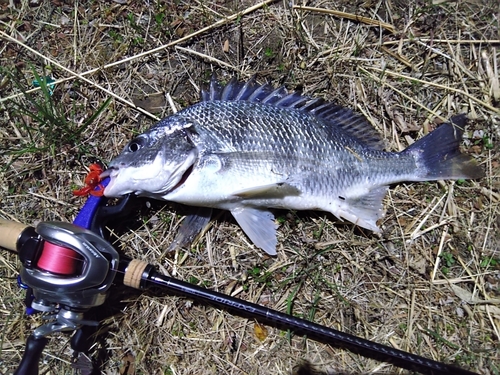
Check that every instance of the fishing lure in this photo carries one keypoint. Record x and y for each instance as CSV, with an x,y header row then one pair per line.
x,y
92,181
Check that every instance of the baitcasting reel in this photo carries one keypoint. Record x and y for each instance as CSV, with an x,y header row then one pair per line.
x,y
67,270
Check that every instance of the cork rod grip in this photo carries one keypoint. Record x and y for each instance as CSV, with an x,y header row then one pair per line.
x,y
9,233
134,272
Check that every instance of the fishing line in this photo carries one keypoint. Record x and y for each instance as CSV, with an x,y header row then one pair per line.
x,y
59,260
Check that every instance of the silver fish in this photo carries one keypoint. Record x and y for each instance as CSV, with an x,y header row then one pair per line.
x,y
247,147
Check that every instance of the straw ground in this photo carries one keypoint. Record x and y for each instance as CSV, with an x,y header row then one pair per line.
x,y
428,285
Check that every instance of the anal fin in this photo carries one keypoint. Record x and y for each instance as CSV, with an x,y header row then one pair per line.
x,y
259,226
364,210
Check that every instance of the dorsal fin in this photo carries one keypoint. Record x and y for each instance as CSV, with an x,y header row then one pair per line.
x,y
334,115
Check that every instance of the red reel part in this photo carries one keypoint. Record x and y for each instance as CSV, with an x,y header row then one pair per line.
x,y
59,260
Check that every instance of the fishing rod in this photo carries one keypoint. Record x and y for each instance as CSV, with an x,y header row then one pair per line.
x,y
70,269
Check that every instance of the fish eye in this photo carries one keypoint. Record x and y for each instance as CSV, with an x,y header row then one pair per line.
x,y
135,144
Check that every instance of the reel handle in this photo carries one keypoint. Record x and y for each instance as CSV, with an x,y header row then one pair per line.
x,y
32,354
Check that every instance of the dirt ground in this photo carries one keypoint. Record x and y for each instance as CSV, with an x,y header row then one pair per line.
x,y
430,284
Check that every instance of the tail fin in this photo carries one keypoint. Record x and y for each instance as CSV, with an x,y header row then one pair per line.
x,y
439,156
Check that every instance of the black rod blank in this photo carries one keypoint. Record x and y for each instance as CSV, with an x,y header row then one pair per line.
x,y
312,330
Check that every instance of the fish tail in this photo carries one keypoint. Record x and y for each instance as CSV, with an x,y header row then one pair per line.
x,y
438,154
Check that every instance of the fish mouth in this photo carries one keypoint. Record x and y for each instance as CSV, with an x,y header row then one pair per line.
x,y
114,172
110,172
152,179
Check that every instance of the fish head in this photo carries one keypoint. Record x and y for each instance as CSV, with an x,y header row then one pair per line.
x,y
152,164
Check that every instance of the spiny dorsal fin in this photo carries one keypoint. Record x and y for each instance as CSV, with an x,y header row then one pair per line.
x,y
334,115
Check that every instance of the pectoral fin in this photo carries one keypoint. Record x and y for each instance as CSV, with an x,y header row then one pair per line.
x,y
259,226
191,228
277,190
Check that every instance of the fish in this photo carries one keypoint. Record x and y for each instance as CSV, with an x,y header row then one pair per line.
x,y
249,148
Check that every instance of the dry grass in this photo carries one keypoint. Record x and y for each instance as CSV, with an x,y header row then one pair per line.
x,y
430,285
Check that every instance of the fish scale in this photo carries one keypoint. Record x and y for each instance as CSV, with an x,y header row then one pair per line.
x,y
248,147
